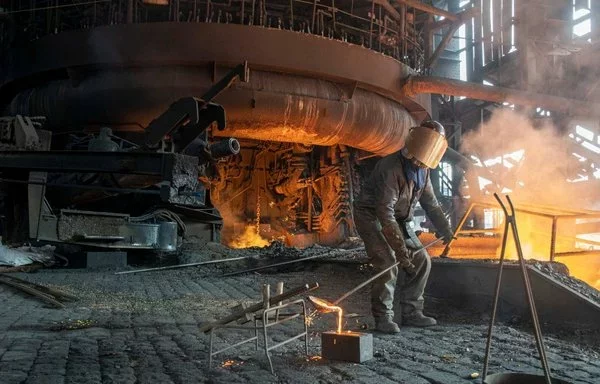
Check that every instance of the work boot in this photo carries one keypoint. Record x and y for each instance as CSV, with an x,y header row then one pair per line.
x,y
385,324
418,319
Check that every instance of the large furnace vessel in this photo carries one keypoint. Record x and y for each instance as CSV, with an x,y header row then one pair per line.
x,y
325,92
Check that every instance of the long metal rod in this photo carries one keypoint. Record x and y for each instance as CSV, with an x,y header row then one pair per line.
x,y
488,343
185,265
429,9
512,222
374,277
32,291
47,290
293,261
534,317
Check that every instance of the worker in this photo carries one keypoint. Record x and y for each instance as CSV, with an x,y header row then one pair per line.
x,y
383,217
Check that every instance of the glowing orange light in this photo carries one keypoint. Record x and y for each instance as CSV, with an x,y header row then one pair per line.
x,y
250,238
325,306
228,363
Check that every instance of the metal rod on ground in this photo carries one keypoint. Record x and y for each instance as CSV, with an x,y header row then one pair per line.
x,y
32,291
294,261
47,290
259,306
185,265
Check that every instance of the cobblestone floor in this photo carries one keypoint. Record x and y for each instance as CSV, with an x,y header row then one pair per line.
x,y
143,328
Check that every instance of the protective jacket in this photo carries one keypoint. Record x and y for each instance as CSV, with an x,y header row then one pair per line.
x,y
393,198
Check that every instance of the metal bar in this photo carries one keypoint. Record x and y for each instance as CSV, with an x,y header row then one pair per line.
x,y
486,37
32,291
363,284
488,343
283,320
42,288
462,222
577,253
186,265
432,61
536,324
287,341
265,320
496,26
290,262
372,15
553,238
506,30
234,345
429,9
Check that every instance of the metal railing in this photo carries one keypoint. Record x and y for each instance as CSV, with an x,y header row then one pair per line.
x,y
551,213
362,22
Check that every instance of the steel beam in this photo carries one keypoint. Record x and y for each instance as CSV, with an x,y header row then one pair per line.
x,y
429,9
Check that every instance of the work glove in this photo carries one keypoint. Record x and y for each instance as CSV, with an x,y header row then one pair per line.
x,y
395,239
446,237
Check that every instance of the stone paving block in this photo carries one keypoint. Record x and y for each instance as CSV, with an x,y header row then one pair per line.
x,y
158,340
13,377
45,379
436,377
403,377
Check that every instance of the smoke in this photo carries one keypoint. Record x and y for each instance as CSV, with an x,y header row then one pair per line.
x,y
530,162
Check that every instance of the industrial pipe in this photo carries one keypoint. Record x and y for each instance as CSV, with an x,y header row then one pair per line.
x,y
273,107
415,85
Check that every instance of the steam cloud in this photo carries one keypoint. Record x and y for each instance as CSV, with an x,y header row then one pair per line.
x,y
540,177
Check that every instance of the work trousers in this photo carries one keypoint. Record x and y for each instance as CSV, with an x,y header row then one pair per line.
x,y
411,286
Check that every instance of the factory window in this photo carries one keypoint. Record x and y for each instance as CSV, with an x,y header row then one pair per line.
x,y
462,47
446,179
492,218
584,132
582,18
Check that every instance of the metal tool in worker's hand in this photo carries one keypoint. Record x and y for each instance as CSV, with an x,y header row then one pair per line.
x,y
511,221
324,305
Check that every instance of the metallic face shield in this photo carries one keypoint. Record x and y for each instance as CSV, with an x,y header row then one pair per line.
x,y
426,146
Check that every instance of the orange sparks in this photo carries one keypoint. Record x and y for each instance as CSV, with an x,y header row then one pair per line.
x,y
229,363
314,358
250,238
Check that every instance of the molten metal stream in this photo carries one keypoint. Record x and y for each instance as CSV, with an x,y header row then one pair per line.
x,y
326,307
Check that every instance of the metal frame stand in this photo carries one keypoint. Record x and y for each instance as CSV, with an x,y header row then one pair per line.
x,y
264,319
511,221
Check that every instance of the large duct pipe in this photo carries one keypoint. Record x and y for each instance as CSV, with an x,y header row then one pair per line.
x,y
438,85
273,107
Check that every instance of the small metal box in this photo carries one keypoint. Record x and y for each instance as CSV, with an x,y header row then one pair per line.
x,y
355,347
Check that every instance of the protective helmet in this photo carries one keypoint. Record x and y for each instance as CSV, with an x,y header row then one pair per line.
x,y
426,143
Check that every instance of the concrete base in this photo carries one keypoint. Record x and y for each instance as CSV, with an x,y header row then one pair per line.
x,y
106,259
354,347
